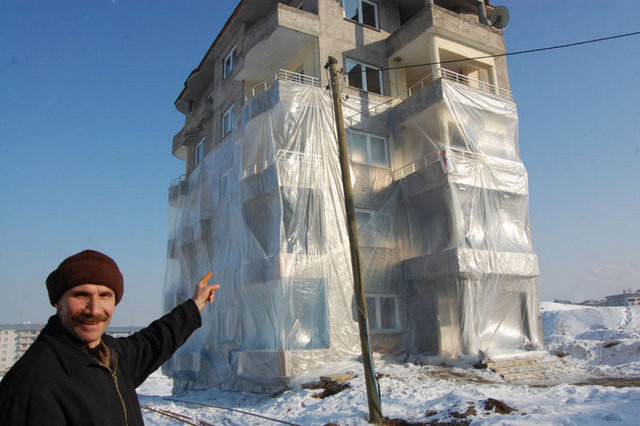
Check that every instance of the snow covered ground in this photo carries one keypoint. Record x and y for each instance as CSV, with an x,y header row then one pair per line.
x,y
595,380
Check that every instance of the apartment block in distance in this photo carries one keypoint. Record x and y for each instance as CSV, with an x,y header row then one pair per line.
x,y
15,339
441,194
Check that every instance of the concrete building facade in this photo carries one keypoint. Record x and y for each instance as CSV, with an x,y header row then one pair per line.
x,y
441,194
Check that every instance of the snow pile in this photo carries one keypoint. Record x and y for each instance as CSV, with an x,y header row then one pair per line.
x,y
604,340
591,345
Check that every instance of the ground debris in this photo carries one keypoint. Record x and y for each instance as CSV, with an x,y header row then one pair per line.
x,y
330,385
457,418
499,407
616,382
402,422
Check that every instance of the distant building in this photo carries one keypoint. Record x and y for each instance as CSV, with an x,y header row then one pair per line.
x,y
627,298
593,303
15,339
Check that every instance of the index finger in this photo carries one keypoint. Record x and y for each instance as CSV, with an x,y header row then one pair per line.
x,y
204,280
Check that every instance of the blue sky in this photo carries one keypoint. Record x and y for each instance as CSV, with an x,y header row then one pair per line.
x,y
87,119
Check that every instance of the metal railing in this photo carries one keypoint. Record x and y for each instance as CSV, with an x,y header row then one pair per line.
x,y
282,156
446,74
281,75
416,165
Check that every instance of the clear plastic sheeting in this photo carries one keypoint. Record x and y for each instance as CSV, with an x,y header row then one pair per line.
x,y
442,205
449,243
264,212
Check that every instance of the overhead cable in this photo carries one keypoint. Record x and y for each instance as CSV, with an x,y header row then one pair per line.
x,y
519,52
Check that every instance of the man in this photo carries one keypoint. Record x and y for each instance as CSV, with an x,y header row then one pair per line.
x,y
74,374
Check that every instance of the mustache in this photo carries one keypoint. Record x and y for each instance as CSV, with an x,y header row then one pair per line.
x,y
89,319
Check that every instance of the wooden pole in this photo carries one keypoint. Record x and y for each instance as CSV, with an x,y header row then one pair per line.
x,y
373,392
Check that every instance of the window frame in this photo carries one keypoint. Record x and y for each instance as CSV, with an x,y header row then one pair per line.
x,y
364,72
229,62
368,161
228,117
360,19
375,324
225,185
199,152
360,211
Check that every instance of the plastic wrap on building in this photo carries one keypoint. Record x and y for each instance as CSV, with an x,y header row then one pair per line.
x,y
264,213
442,207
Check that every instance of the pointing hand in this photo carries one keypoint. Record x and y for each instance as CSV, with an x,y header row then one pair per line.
x,y
205,293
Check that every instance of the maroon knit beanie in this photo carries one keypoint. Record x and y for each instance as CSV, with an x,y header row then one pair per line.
x,y
86,267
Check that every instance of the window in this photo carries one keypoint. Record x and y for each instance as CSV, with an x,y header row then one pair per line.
x,y
300,5
362,216
364,77
383,313
227,121
199,152
229,62
362,11
224,185
368,149
227,320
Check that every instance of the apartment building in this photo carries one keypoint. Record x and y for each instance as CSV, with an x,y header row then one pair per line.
x,y
440,191
626,298
15,339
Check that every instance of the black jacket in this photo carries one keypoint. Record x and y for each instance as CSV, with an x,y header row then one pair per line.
x,y
56,382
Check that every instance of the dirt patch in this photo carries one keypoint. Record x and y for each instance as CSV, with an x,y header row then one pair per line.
x,y
329,387
616,382
497,406
401,422
460,375
452,418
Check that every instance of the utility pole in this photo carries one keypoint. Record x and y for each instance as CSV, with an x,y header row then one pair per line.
x,y
373,391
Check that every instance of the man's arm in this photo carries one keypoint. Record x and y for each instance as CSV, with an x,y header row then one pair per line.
x,y
146,350
204,293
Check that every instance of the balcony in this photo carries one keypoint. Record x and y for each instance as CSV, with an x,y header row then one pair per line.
x,y
177,189
281,75
443,73
199,116
436,35
264,41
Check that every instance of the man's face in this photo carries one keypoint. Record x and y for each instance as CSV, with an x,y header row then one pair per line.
x,y
85,311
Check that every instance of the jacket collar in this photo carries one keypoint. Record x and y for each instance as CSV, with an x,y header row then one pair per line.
x,y
67,348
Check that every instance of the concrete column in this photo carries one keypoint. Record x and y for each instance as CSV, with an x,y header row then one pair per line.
x,y
493,76
435,55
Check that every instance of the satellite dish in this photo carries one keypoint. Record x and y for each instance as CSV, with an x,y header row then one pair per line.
x,y
500,17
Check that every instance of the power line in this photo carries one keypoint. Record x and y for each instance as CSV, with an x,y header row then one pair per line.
x,y
519,52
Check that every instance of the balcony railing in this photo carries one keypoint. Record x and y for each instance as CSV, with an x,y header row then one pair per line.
x,y
446,74
282,156
281,75
416,165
